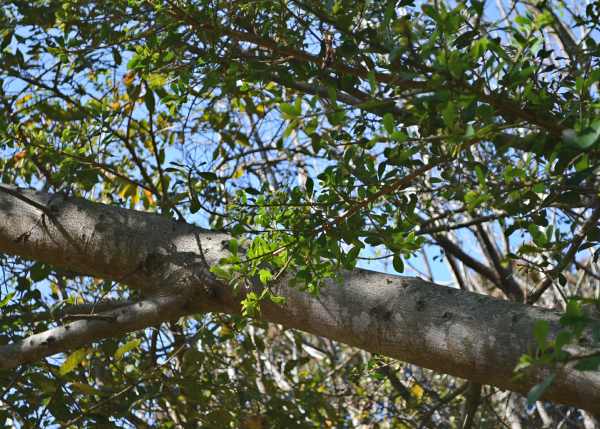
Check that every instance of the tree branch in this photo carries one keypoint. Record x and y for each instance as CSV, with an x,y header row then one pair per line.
x,y
79,333
67,311
568,258
448,330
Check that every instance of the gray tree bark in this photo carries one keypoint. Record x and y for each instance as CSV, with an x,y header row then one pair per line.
x,y
448,330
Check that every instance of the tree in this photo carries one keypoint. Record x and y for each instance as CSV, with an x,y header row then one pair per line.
x,y
177,173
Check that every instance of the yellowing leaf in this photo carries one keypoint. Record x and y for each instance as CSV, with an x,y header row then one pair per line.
x,y
54,288
135,198
72,361
128,78
20,155
416,391
127,347
238,173
23,100
149,145
149,197
129,190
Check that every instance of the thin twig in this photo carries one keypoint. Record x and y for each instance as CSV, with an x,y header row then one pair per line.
x,y
569,256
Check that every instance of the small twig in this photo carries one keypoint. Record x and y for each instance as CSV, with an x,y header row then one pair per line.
x,y
68,317
122,391
473,399
393,187
443,401
587,270
569,256
66,311
400,388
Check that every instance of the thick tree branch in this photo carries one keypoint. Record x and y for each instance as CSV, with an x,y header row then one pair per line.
x,y
448,330
509,283
76,334
451,248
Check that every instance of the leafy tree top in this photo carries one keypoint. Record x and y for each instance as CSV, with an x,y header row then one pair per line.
x,y
318,133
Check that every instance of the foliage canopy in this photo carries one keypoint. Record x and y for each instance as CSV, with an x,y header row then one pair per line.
x,y
322,135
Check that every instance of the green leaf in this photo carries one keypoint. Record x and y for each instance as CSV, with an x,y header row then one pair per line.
x,y
194,203
398,264
156,80
523,20
72,361
449,113
149,101
541,329
539,238
252,191
562,338
479,48
584,139
465,39
538,390
430,11
388,123
277,299
480,175
574,309
352,255
250,304
525,362
298,106
134,62
288,110
6,299
127,347
234,246
265,276
399,136
591,363
332,94
39,271
6,38
474,199
310,185
372,82
208,175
